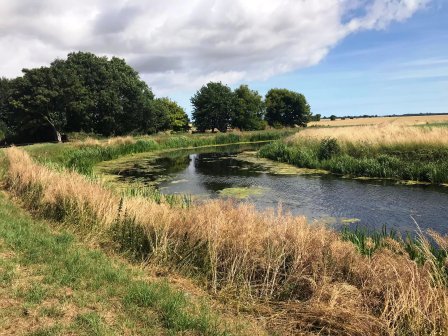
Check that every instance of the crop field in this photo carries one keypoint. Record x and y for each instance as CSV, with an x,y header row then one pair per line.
x,y
406,120
379,134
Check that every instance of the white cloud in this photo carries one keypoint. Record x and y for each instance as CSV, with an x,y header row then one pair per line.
x,y
178,44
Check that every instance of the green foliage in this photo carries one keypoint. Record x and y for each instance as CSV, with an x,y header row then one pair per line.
x,y
168,115
315,117
249,110
278,151
287,108
332,117
328,148
214,106
84,159
6,86
82,93
367,242
425,164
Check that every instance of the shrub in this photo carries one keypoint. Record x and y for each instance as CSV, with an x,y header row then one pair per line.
x,y
328,148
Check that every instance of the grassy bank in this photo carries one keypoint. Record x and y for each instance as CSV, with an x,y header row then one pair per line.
x,y
396,152
83,155
303,278
52,284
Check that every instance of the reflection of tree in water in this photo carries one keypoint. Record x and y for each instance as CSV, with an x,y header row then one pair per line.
x,y
156,169
218,164
173,164
217,161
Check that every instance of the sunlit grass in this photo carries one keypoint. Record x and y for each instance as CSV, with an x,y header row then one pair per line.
x,y
321,280
56,286
396,152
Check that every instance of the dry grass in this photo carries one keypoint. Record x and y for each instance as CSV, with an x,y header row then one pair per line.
x,y
408,120
107,142
381,134
311,281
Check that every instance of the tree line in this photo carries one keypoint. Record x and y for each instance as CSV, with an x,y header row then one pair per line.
x,y
216,106
88,93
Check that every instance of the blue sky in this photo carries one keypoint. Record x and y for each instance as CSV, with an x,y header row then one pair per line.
x,y
349,57
400,69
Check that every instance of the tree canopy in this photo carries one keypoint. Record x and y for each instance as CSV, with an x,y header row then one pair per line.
x,y
82,93
286,108
168,115
216,106
213,107
249,111
106,96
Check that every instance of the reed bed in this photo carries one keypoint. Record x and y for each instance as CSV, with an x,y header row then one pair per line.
x,y
386,151
306,278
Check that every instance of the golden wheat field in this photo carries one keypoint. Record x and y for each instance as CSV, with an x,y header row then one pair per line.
x,y
407,120
378,134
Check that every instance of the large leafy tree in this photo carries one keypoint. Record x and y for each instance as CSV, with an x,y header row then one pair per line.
x,y
286,108
108,97
249,109
213,107
169,115
33,106
82,93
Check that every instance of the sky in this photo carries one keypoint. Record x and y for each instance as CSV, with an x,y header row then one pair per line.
x,y
348,57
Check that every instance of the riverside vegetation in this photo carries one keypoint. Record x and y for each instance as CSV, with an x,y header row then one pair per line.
x,y
298,278
380,151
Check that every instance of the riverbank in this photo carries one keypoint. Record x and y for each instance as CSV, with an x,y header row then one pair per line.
x,y
54,283
408,153
81,156
303,278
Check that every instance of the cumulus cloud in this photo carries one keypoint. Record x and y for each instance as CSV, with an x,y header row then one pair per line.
x,y
178,44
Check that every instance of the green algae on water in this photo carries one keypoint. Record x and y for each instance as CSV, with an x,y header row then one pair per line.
x,y
242,192
350,220
277,168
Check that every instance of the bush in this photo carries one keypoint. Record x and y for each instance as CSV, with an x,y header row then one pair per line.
x,y
328,148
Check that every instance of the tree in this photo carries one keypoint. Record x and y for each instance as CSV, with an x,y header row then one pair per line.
x,y
108,95
315,117
249,109
5,94
287,108
168,115
34,110
332,117
82,93
213,107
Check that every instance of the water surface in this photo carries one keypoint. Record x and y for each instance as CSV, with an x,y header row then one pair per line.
x,y
216,172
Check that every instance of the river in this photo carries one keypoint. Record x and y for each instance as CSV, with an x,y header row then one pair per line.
x,y
234,171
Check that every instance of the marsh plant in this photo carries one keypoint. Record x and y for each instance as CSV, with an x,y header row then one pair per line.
x,y
401,153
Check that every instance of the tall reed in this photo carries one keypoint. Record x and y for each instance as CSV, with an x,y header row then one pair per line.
x,y
316,282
